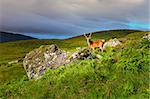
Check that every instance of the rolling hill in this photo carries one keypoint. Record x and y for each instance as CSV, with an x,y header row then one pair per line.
x,y
6,37
122,73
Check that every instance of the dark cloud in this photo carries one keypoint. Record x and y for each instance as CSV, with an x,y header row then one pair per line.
x,y
72,17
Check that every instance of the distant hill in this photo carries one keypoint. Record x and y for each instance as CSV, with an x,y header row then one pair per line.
x,y
6,37
107,34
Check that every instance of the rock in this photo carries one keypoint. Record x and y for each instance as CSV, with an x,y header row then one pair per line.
x,y
82,53
111,43
46,57
13,62
147,36
99,56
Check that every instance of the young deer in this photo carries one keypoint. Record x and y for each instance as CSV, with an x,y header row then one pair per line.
x,y
94,44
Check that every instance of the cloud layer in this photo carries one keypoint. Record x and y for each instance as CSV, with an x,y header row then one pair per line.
x,y
72,17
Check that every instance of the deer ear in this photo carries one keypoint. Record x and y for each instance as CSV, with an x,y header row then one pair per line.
x,y
90,34
85,35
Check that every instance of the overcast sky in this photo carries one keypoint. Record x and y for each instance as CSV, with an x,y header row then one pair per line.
x,y
64,18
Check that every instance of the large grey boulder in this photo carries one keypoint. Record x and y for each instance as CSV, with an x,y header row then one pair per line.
x,y
111,43
46,57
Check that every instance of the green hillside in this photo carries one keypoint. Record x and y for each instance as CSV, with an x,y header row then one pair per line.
x,y
122,73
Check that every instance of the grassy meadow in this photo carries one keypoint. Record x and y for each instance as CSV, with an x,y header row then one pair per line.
x,y
122,72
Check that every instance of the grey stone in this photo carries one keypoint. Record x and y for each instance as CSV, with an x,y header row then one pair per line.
x,y
46,57
13,62
111,43
147,36
82,53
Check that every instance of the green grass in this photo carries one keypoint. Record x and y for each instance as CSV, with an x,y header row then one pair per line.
x,y
122,73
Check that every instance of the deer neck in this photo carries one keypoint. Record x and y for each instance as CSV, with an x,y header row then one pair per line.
x,y
89,42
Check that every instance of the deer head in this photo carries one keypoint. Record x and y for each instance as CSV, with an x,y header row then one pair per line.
x,y
88,36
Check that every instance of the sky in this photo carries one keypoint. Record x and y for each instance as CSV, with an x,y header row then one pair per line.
x,y
66,18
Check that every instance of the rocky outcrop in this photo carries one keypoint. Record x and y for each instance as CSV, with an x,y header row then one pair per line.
x,y
111,43
46,57
81,53
39,60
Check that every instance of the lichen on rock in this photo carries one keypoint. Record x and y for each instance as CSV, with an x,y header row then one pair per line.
x,y
82,53
46,57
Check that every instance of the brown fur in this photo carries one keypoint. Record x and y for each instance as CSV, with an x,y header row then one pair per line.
x,y
96,43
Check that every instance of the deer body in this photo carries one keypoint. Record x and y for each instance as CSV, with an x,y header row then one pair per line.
x,y
94,44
